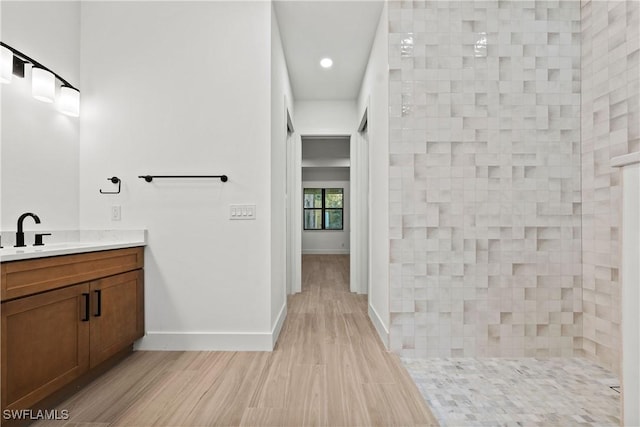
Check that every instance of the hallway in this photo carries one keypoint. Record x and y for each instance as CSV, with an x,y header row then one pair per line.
x,y
328,369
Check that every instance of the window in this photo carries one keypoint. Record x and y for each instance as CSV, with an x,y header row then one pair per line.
x,y
323,208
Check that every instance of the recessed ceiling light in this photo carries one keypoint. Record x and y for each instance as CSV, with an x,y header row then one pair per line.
x,y
326,62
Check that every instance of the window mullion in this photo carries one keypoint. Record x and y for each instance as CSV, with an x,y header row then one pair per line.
x,y
323,207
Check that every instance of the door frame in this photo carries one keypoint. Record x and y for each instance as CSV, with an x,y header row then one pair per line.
x,y
359,214
359,209
294,210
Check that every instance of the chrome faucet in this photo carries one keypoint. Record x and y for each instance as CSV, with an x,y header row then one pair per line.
x,y
20,233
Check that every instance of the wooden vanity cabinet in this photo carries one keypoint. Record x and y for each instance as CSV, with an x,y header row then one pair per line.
x,y
55,337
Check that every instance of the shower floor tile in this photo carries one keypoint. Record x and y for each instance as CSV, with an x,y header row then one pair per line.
x,y
522,391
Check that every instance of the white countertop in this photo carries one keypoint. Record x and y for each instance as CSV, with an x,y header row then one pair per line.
x,y
67,242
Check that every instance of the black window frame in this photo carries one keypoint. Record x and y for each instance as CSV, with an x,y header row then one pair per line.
x,y
323,209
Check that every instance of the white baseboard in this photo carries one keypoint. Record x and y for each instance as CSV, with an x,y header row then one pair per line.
x,y
379,325
206,341
275,332
326,252
213,341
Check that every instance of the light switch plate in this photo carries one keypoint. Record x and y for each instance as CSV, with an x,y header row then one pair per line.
x,y
242,212
116,213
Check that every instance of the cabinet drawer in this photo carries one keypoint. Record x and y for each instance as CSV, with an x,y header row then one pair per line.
x,y
22,278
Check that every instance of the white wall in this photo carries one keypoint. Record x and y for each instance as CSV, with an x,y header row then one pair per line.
x,y
326,174
334,148
40,144
281,100
326,117
630,294
184,88
328,241
374,95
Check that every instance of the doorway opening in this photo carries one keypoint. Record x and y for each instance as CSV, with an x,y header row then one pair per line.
x,y
326,196
325,210
328,212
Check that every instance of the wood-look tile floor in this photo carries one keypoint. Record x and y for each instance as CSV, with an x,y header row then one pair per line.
x,y
328,369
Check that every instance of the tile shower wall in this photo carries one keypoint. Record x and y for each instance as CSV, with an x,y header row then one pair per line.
x,y
610,127
485,178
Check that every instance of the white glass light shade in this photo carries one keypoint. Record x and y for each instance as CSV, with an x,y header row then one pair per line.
x,y
69,101
43,85
6,65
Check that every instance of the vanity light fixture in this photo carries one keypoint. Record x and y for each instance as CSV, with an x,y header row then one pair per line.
x,y
326,62
69,101
6,64
43,80
43,84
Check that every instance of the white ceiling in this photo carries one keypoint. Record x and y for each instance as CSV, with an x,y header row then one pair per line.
x,y
340,30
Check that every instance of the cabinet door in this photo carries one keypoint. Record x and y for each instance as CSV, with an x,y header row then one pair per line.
x,y
45,344
116,314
